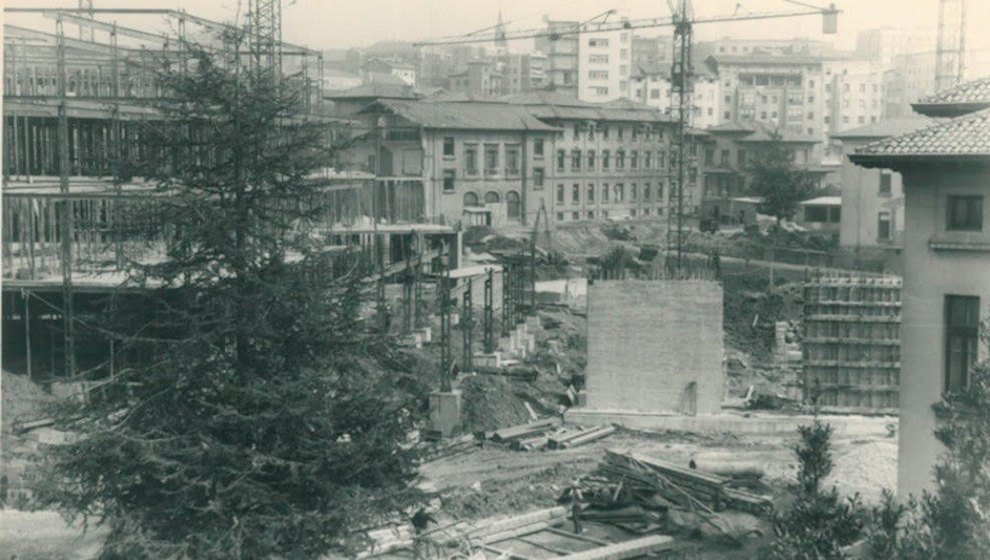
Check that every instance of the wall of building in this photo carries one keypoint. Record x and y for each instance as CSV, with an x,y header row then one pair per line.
x,y
604,65
862,203
929,275
655,346
650,182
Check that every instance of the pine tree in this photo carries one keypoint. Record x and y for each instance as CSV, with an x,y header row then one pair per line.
x,y
252,415
777,181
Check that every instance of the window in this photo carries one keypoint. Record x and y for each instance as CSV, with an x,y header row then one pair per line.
x,y
491,159
513,206
448,146
471,159
491,197
575,159
633,159
598,74
885,183
538,174
604,132
560,194
724,157
560,216
575,193
620,132
654,93
883,226
647,160
965,213
577,131
632,213
605,193
962,333
646,191
591,215
620,157
591,159
604,214
632,192
470,199
561,157
605,159
575,216
600,90
597,42
538,148
620,192
512,160
741,157
817,214
709,157
661,161
448,180
591,193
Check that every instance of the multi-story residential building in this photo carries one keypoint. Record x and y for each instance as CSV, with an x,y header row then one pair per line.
x,y
854,93
562,56
651,86
872,199
780,91
481,77
908,78
471,162
650,52
729,149
774,47
946,264
610,160
594,66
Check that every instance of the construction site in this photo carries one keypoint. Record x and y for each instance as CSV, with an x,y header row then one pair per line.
x,y
660,371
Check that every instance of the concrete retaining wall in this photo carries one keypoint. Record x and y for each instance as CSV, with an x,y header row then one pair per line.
x,y
655,346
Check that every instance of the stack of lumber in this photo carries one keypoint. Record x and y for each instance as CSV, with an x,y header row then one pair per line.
x,y
547,434
688,488
516,372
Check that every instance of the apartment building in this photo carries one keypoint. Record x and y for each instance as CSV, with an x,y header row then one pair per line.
x,y
563,56
854,93
946,264
908,78
873,199
651,86
780,91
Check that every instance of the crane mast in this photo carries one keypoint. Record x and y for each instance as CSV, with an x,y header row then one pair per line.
x,y
265,33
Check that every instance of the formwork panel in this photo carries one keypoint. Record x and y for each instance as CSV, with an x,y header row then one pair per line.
x,y
851,346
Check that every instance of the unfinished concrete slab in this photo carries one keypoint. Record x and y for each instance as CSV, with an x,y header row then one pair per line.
x,y
655,346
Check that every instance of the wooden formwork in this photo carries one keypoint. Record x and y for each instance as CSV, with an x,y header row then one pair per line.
x,y
852,346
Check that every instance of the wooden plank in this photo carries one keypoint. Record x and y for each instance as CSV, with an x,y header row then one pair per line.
x,y
546,547
505,553
578,536
628,549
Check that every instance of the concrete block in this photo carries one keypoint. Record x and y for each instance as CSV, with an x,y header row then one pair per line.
x,y
655,346
426,334
445,412
488,360
530,343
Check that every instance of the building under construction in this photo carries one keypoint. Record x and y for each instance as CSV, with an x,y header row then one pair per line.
x,y
78,86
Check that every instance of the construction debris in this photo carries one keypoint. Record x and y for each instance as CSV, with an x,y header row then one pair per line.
x,y
546,434
580,437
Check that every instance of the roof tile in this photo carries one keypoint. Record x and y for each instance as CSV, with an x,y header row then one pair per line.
x,y
966,135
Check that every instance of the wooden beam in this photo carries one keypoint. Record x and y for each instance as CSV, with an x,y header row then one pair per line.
x,y
629,549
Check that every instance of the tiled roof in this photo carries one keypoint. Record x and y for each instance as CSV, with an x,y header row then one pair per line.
x,y
959,100
462,115
968,135
553,105
731,126
375,90
886,128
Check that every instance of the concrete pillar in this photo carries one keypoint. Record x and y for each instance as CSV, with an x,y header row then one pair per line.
x,y
445,412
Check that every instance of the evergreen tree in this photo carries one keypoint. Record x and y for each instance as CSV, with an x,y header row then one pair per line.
x,y
777,181
252,415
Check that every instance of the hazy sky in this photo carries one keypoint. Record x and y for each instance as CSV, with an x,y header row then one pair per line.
x,y
346,23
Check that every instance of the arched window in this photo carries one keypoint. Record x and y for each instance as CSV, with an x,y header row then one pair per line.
x,y
470,199
513,208
491,197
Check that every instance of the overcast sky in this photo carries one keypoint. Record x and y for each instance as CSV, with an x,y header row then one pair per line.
x,y
355,23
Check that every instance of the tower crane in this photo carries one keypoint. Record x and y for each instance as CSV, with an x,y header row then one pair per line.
x,y
683,20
